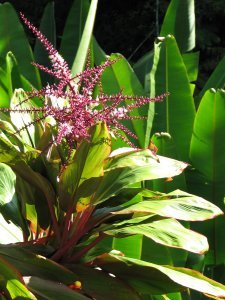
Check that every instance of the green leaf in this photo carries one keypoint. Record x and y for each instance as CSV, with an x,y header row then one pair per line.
x,y
216,80
79,62
8,151
73,30
165,146
180,22
170,75
11,78
150,279
23,120
142,69
47,27
101,285
10,233
168,232
207,157
120,76
191,61
29,264
208,139
47,289
12,283
183,207
99,54
87,163
131,246
45,193
134,167
12,38
9,205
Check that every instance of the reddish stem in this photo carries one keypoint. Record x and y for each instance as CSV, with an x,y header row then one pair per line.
x,y
66,226
79,254
83,218
54,219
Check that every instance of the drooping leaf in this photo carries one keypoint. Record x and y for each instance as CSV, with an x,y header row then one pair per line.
x,y
168,232
183,207
147,278
30,264
98,284
139,165
180,22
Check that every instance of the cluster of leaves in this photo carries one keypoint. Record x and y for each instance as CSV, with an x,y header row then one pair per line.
x,y
96,228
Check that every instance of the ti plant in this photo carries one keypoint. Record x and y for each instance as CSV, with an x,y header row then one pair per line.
x,y
64,194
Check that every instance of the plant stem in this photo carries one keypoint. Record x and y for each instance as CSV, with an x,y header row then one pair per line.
x,y
66,225
81,222
79,254
54,219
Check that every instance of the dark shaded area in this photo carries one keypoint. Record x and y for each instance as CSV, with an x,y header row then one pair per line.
x,y
130,27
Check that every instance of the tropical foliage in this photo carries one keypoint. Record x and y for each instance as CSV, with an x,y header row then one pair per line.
x,y
84,216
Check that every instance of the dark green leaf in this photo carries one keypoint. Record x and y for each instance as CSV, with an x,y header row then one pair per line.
x,y
47,27
100,284
216,80
47,289
30,264
12,38
73,30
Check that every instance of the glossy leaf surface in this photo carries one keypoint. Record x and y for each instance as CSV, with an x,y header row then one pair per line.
x,y
81,55
147,278
180,22
170,75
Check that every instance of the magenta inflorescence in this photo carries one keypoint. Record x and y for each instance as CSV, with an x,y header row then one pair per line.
x,y
71,103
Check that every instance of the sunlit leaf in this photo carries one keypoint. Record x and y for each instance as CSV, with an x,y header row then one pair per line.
x,y
179,205
147,278
12,282
168,232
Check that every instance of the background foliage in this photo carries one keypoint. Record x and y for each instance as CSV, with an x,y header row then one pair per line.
x,y
130,27
172,127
